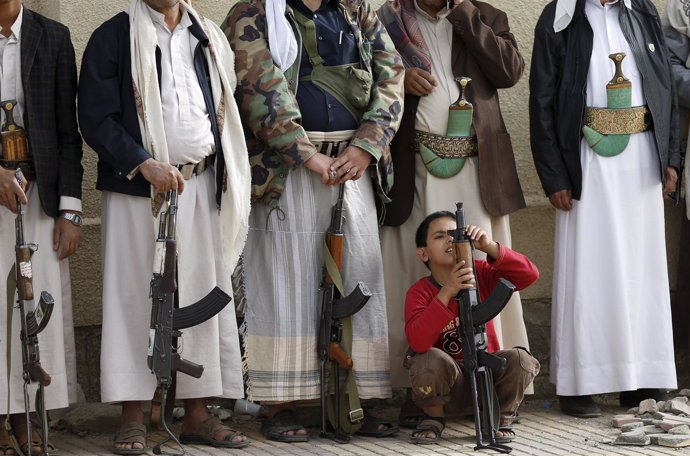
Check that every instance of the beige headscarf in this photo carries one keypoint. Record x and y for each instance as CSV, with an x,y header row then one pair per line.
x,y
235,199
565,10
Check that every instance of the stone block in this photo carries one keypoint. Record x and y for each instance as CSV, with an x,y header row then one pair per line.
x,y
634,411
620,420
650,421
683,399
649,429
648,406
668,425
635,437
683,429
674,441
678,407
654,438
684,392
630,426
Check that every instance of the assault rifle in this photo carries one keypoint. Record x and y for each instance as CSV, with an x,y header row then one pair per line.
x,y
478,362
167,321
32,323
335,308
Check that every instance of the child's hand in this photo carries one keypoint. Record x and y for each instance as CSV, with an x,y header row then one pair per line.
x,y
482,241
460,278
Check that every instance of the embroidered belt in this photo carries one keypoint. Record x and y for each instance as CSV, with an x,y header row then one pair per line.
x,y
446,146
331,148
196,169
619,121
27,167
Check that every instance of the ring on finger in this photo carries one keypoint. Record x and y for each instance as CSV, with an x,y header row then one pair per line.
x,y
332,173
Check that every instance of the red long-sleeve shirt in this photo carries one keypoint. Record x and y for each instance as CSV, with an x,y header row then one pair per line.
x,y
429,323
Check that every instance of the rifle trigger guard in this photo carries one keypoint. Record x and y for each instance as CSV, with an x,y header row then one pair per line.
x,y
356,416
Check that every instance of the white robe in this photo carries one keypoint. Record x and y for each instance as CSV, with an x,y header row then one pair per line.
x,y
611,316
128,239
56,341
401,266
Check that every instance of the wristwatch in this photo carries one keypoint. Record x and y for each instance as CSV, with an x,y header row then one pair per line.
x,y
74,218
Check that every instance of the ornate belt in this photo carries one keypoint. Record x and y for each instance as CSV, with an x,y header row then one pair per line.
x,y
27,167
446,146
618,121
195,169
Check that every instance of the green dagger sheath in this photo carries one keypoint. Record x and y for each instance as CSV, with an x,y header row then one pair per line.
x,y
618,96
459,126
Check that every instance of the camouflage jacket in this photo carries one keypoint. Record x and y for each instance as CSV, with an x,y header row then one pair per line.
x,y
275,138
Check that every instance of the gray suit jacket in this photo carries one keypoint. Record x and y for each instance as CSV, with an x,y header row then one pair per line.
x,y
49,79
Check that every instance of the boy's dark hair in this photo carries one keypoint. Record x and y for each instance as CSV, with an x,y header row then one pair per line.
x,y
423,229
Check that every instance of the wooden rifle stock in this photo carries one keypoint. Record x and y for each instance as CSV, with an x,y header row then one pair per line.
x,y
169,281
340,356
335,242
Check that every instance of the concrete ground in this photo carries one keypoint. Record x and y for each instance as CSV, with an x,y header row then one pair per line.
x,y
543,430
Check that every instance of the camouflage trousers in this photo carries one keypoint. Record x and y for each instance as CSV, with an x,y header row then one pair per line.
x,y
438,379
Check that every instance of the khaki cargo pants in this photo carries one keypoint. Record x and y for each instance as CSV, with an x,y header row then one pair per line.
x,y
438,379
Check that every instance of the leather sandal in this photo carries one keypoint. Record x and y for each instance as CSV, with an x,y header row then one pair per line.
x,y
371,424
205,435
435,424
6,445
131,433
284,421
505,434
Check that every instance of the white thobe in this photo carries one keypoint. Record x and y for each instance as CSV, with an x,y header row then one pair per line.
x,y
128,251
611,315
401,266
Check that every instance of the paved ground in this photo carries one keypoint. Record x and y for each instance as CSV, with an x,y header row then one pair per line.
x,y
542,431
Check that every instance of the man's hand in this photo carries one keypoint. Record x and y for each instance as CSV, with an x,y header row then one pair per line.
x,y
10,190
419,82
351,164
562,199
66,237
163,176
459,279
321,164
670,180
482,241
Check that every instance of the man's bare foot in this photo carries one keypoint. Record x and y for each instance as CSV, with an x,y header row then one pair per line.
x,y
129,436
196,414
273,410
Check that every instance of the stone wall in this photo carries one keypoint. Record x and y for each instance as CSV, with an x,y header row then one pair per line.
x,y
532,227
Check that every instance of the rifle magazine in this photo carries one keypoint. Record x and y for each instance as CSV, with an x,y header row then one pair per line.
x,y
202,310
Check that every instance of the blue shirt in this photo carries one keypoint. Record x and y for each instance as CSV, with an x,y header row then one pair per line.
x,y
337,46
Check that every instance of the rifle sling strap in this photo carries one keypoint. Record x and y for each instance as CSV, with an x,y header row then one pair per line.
x,y
351,416
333,271
11,288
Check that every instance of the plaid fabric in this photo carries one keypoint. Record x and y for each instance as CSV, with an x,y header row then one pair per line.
x,y
50,116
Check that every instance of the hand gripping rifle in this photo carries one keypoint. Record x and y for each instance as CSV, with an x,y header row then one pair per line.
x,y
331,347
32,323
166,320
478,362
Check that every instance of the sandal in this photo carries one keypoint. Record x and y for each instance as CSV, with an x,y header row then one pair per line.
x,y
6,445
410,415
507,434
131,433
283,421
371,423
33,448
206,432
435,424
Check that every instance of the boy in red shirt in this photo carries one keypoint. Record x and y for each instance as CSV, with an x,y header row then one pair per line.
x,y
431,321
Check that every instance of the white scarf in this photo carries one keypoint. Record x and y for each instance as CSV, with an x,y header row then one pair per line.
x,y
281,39
679,18
565,9
235,199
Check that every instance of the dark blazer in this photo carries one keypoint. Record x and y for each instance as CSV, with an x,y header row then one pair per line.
x,y
485,50
108,113
49,79
558,91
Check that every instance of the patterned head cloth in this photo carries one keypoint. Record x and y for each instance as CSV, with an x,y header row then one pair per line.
x,y
565,9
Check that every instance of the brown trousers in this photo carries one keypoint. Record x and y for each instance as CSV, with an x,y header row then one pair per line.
x,y
438,379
